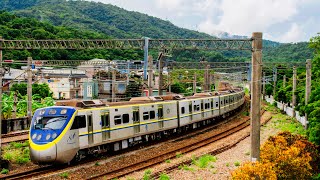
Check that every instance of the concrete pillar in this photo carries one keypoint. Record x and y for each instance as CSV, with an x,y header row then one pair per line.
x,y
294,88
264,86
150,76
146,55
195,83
29,90
256,95
114,78
308,86
160,74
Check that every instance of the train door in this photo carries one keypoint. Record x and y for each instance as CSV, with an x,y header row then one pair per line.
x,y
136,119
90,129
105,125
190,111
160,116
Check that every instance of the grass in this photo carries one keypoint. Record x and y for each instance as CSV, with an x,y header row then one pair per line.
x,y
168,161
17,153
186,168
247,153
179,155
203,161
164,177
228,164
237,163
97,164
284,122
4,171
64,175
147,174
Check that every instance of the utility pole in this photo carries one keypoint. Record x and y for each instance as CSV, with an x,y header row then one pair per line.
x,y
206,79
284,81
294,87
308,86
256,95
113,95
1,75
15,101
195,83
274,81
29,90
150,76
128,72
264,86
160,73
145,59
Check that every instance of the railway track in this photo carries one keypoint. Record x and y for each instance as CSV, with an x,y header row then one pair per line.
x,y
38,172
171,154
19,133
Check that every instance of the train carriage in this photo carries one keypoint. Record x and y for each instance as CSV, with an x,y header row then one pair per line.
x,y
72,130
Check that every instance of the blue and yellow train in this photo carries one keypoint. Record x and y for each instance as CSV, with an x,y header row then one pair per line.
x,y
74,129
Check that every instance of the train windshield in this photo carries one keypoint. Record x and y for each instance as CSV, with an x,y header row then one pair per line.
x,y
53,123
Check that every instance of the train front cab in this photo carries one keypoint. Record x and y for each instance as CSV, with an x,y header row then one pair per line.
x,y
51,140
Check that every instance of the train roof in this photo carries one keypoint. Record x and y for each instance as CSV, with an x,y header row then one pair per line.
x,y
85,104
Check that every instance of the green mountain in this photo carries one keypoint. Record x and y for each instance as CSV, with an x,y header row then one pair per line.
x,y
115,22
13,27
104,18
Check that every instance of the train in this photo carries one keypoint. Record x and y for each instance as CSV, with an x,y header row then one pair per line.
x,y
74,129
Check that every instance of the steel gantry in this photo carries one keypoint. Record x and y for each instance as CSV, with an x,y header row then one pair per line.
x,y
203,44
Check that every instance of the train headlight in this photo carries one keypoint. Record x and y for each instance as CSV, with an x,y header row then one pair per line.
x,y
48,136
34,135
54,135
39,137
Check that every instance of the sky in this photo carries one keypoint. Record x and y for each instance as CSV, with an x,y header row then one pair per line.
x,y
284,21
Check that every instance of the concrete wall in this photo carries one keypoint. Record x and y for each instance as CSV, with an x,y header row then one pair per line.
x,y
288,110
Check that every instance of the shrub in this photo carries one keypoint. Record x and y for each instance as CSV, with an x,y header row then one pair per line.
x,y
168,161
255,171
64,175
178,155
164,177
285,156
4,171
237,163
147,174
204,161
186,168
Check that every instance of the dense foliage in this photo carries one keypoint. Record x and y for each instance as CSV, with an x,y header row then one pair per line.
x,y
42,90
8,104
285,156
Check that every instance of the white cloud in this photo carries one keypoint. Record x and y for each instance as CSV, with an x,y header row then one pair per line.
x,y
294,34
246,16
280,20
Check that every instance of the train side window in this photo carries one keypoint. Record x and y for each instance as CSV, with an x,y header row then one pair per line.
x,y
89,120
221,102
217,104
125,118
117,120
160,113
211,104
145,115
201,105
190,108
195,107
152,115
198,107
79,122
182,110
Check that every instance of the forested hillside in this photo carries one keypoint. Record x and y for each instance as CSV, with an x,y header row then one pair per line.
x,y
13,27
114,22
